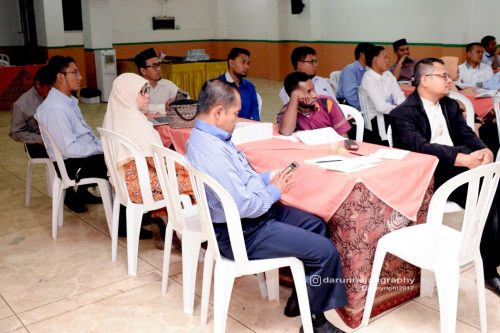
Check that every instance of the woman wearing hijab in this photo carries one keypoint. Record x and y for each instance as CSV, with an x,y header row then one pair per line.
x,y
127,105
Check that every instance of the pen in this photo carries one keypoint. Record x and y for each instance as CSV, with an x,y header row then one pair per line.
x,y
326,161
358,154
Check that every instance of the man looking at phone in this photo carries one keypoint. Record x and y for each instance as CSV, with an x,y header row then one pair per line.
x,y
306,111
271,230
162,92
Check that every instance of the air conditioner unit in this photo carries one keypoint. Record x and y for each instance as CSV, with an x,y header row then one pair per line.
x,y
163,22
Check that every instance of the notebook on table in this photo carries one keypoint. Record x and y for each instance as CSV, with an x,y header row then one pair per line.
x,y
161,120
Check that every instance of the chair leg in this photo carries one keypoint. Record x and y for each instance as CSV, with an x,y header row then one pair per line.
x,y
190,254
298,274
427,282
223,287
372,287
57,193
60,220
447,278
167,251
49,176
134,219
114,228
28,185
107,201
273,285
478,266
261,277
208,268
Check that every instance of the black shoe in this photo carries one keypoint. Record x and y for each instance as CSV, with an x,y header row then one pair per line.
x,y
493,285
71,201
122,225
292,308
85,196
326,327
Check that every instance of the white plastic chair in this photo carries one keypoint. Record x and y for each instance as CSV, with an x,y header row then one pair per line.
x,y
4,60
440,249
389,136
334,80
49,174
184,219
350,111
227,270
469,108
59,186
135,211
259,103
366,111
496,107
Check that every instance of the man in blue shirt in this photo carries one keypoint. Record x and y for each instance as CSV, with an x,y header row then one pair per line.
x,y
351,75
238,63
271,230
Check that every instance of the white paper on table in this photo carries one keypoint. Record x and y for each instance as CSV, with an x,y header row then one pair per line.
x,y
390,154
485,93
344,164
319,136
292,137
245,132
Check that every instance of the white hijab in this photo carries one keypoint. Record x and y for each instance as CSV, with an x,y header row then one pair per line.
x,y
124,117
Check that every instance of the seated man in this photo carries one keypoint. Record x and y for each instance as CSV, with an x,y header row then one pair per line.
x,y
24,127
60,115
430,122
162,92
382,90
351,75
490,55
403,68
307,111
271,230
473,73
304,60
238,63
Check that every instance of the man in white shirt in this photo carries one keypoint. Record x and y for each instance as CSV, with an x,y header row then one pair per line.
x,y
472,73
490,55
163,91
304,60
383,94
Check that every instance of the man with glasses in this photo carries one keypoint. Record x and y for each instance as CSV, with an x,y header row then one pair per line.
x,y
473,73
60,115
238,63
430,122
163,92
490,55
304,60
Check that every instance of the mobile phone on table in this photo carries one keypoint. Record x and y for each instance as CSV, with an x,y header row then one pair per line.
x,y
351,144
291,167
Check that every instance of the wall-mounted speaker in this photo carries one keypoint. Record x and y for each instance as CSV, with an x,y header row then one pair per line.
x,y
297,6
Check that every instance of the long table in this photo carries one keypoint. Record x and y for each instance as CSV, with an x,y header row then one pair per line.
x,y
188,76
359,208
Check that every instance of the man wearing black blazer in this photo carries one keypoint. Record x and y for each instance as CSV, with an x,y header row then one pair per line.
x,y
430,122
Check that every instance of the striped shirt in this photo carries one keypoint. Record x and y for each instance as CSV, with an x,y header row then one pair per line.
x,y
210,150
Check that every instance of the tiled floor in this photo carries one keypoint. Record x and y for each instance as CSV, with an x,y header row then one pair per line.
x,y
71,285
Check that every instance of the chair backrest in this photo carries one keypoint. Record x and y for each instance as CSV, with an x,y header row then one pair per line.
x,y
4,60
389,136
59,158
334,80
350,111
165,160
479,199
110,141
365,106
469,108
259,103
496,107
202,183
451,66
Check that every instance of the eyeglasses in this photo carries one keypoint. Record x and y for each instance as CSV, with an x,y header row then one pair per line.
x,y
445,76
312,62
76,72
156,65
145,89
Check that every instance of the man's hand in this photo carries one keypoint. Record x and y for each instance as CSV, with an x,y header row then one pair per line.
x,y
474,159
300,96
402,59
281,180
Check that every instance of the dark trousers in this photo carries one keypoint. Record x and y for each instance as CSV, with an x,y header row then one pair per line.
x,y
373,136
36,150
289,232
490,239
90,166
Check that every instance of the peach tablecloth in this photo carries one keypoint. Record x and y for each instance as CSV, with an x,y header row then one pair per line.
x,y
481,105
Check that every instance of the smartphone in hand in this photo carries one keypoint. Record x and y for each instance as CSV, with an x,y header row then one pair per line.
x,y
351,144
291,167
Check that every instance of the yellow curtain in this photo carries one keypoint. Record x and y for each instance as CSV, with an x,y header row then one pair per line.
x,y
187,76
214,69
